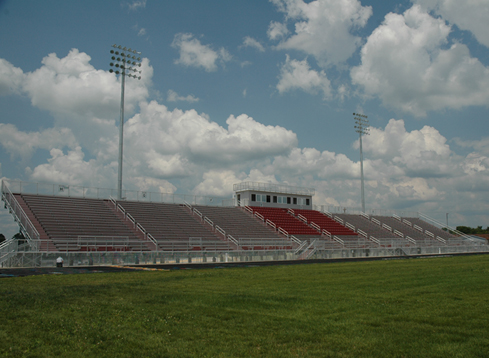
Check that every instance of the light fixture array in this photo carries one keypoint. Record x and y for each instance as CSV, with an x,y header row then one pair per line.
x,y
126,62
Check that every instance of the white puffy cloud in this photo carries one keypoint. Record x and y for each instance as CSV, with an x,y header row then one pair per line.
x,y
404,62
251,42
311,162
468,15
421,153
71,168
323,28
194,54
23,144
11,78
296,74
277,30
71,84
197,139
174,97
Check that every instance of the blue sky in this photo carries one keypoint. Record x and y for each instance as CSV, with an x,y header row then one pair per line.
x,y
253,91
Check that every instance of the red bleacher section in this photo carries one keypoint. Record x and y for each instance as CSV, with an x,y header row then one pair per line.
x,y
325,222
281,218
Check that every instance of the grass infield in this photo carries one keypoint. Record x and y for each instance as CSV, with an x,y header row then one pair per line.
x,y
433,307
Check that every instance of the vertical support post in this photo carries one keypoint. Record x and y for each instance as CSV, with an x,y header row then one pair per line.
x,y
121,135
362,128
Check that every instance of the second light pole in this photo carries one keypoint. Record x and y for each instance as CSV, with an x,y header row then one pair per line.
x,y
362,128
126,62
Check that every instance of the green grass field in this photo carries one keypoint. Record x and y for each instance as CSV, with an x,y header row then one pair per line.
x,y
436,307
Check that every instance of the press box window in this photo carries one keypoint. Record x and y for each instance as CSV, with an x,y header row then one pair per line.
x,y
274,199
295,201
307,202
253,197
288,200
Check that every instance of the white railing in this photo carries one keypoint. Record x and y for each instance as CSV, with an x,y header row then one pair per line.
x,y
451,230
302,218
301,247
372,238
419,228
398,233
441,239
350,226
188,206
410,239
315,226
272,224
363,233
21,217
362,214
22,187
220,230
233,240
338,240
275,188
375,221
387,227
397,217
338,219
199,214
407,222
209,221
283,232
326,233
8,249
259,216
296,240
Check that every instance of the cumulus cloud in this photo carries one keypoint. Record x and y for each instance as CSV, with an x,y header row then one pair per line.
x,y
11,78
419,153
469,15
24,144
277,30
323,28
251,42
406,64
174,97
197,139
70,168
296,74
71,84
194,54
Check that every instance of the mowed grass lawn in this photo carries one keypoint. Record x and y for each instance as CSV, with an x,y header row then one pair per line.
x,y
433,307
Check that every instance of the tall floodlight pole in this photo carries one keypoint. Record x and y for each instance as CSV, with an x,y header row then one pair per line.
x,y
126,62
362,128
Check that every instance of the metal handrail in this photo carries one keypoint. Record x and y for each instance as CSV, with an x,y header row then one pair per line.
x,y
22,218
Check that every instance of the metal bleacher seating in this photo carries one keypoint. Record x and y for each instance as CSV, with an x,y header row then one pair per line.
x,y
174,227
70,223
281,218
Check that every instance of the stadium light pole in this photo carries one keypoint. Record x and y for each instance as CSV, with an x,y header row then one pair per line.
x,y
362,128
126,62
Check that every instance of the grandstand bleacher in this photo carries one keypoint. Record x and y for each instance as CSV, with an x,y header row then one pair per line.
x,y
58,223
